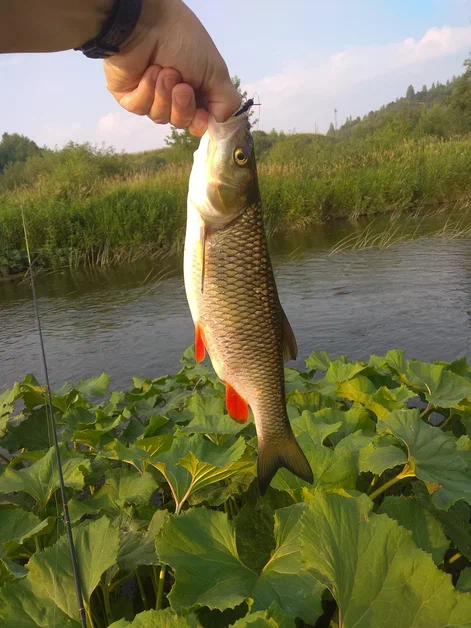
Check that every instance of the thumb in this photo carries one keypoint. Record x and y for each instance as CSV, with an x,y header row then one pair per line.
x,y
223,100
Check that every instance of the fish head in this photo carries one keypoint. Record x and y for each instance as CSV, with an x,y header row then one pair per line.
x,y
223,181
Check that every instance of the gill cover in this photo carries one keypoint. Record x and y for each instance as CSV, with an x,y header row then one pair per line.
x,y
223,181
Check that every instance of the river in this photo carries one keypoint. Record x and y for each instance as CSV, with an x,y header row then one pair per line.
x,y
134,320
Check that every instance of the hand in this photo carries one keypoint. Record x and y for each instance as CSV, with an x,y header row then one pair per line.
x,y
171,71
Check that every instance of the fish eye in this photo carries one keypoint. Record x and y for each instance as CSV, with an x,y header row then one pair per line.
x,y
240,157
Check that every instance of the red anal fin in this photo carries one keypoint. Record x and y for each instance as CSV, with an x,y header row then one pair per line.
x,y
200,351
236,406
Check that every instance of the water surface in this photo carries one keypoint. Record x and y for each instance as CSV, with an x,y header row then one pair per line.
x,y
134,320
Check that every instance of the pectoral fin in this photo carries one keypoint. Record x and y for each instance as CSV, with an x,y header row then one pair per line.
x,y
236,405
290,347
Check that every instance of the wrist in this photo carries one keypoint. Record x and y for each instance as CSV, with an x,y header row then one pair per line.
x,y
32,26
156,15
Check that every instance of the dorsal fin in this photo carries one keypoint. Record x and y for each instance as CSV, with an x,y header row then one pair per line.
x,y
290,347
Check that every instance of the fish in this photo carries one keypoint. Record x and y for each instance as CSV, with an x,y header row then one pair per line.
x,y
232,295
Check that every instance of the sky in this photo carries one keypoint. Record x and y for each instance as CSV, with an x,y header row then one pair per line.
x,y
304,58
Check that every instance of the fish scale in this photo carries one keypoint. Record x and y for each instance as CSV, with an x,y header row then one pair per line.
x,y
240,314
232,294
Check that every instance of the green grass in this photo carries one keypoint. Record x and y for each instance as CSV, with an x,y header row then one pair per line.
x,y
84,207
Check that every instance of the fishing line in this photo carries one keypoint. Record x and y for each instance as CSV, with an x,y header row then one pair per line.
x,y
52,423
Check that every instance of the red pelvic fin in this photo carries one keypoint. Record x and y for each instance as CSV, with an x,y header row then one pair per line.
x,y
236,405
200,351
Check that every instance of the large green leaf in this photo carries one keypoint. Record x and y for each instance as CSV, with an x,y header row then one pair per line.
x,y
432,456
441,387
50,571
427,532
464,581
194,463
352,420
456,521
210,416
121,487
92,387
7,402
200,547
274,617
379,455
41,479
18,526
285,579
153,619
332,468
20,607
31,432
371,566
380,401
320,360
138,548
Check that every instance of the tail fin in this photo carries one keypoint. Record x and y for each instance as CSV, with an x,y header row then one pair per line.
x,y
286,454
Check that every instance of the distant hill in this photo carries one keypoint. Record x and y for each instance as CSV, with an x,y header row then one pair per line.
x,y
443,109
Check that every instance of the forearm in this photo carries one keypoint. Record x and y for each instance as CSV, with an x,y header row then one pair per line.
x,y
50,25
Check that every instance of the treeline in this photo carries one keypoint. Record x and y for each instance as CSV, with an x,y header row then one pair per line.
x,y
441,110
86,204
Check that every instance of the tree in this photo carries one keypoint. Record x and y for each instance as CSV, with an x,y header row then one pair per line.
x,y
460,101
331,130
15,147
410,93
424,89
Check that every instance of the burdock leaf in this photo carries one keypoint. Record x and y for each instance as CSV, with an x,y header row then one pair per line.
x,y
374,570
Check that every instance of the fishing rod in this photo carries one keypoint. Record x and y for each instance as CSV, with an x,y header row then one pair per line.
x,y
65,509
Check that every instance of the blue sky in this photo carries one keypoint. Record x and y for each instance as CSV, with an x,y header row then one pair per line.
x,y
303,57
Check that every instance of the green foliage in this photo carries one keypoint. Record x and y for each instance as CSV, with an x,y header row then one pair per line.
x,y
16,148
89,205
171,507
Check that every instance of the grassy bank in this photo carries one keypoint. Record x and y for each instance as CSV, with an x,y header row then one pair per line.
x,y
77,213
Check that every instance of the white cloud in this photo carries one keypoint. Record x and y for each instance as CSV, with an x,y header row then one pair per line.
x,y
57,134
312,87
130,132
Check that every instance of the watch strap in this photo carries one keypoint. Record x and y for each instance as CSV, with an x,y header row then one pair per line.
x,y
116,30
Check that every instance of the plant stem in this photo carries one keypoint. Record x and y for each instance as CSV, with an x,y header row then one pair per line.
x,y
424,412
446,421
160,591
373,482
454,558
386,485
106,597
5,458
235,506
142,590
89,615
155,580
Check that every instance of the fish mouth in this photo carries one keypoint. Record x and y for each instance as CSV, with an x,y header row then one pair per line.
x,y
225,130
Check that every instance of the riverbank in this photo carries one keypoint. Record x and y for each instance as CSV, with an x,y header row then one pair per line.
x,y
76,218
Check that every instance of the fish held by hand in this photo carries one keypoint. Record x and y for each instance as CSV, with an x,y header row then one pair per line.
x,y
232,293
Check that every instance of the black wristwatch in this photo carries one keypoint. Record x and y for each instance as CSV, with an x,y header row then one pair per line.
x,y
115,31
